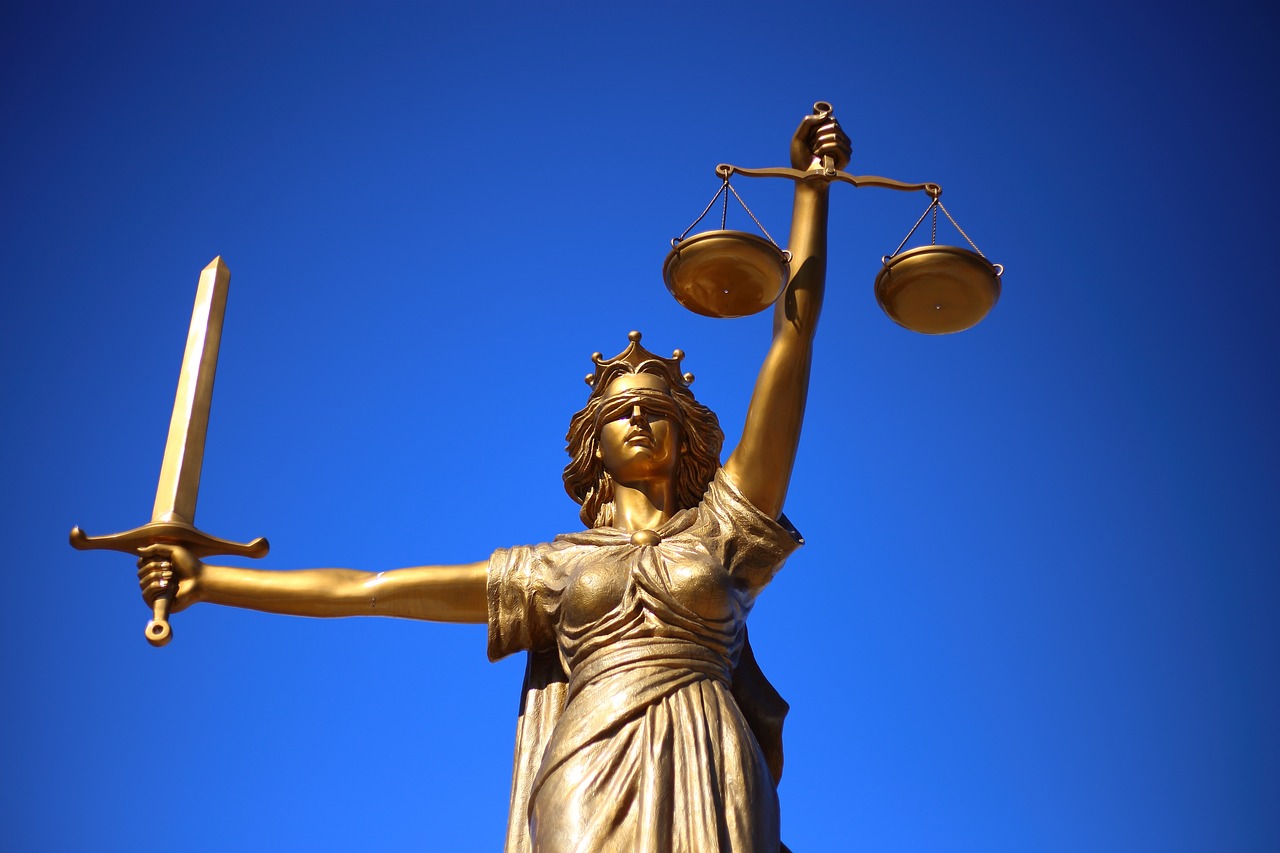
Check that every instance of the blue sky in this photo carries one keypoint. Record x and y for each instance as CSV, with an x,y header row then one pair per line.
x,y
1036,610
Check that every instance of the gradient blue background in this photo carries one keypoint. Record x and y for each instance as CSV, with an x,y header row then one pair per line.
x,y
1037,610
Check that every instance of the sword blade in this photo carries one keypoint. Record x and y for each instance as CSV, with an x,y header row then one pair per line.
x,y
184,451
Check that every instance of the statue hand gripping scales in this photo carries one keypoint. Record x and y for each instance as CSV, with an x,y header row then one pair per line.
x,y
645,724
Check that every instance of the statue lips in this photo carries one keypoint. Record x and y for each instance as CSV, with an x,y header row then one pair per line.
x,y
639,437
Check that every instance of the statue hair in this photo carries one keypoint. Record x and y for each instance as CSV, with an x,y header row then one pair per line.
x,y
590,485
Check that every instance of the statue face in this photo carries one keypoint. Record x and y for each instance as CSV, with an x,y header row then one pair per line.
x,y
640,433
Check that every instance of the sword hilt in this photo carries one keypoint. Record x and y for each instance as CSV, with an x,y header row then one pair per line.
x,y
158,631
176,533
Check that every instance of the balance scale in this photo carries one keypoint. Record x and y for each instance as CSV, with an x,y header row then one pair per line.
x,y
933,289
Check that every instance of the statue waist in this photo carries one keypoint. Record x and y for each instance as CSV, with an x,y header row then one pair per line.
x,y
627,656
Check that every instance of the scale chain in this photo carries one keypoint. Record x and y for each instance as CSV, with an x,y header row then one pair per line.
x,y
725,189
749,213
705,211
933,237
958,228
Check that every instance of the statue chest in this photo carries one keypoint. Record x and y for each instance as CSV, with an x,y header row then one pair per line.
x,y
658,584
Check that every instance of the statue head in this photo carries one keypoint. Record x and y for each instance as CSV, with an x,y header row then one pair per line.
x,y
638,377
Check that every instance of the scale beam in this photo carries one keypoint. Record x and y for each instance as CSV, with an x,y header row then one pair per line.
x,y
828,174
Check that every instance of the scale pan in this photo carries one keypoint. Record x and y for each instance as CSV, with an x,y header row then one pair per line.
x,y
937,290
725,273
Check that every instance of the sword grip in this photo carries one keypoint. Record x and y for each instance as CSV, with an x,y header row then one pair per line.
x,y
158,631
196,541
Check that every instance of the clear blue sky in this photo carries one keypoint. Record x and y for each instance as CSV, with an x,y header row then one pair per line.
x,y
1037,608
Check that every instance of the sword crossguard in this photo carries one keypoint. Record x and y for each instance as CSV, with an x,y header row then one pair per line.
x,y
179,533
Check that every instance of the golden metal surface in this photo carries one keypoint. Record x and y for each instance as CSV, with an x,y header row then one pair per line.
x,y
173,515
938,290
184,451
828,174
725,273
632,626
933,290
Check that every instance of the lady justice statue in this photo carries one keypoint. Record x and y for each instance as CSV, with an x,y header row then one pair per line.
x,y
645,724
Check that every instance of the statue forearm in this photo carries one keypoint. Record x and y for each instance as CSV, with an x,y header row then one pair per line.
x,y
311,592
435,593
798,308
762,462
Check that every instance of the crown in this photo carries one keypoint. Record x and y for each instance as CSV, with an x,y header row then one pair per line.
x,y
636,359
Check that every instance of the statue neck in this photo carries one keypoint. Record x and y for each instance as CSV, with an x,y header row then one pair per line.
x,y
644,506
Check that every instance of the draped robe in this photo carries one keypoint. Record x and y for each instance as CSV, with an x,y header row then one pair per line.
x,y
645,724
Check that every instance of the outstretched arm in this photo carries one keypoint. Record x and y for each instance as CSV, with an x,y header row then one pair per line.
x,y
761,464
435,593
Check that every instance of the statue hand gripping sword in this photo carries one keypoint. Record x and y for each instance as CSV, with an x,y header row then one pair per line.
x,y
173,517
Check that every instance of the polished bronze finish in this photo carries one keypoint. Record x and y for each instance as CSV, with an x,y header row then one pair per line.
x,y
828,174
645,722
937,290
725,273
173,515
635,627
731,273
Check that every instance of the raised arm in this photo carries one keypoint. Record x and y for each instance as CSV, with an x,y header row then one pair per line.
x,y
435,593
761,463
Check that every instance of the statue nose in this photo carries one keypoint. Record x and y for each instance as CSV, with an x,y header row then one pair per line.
x,y
637,416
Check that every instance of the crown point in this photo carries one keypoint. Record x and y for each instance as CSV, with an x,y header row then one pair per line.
x,y
590,379
636,359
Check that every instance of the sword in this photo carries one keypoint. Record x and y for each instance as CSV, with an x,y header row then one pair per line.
x,y
174,514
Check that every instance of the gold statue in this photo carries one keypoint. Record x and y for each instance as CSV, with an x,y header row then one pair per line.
x,y
645,723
